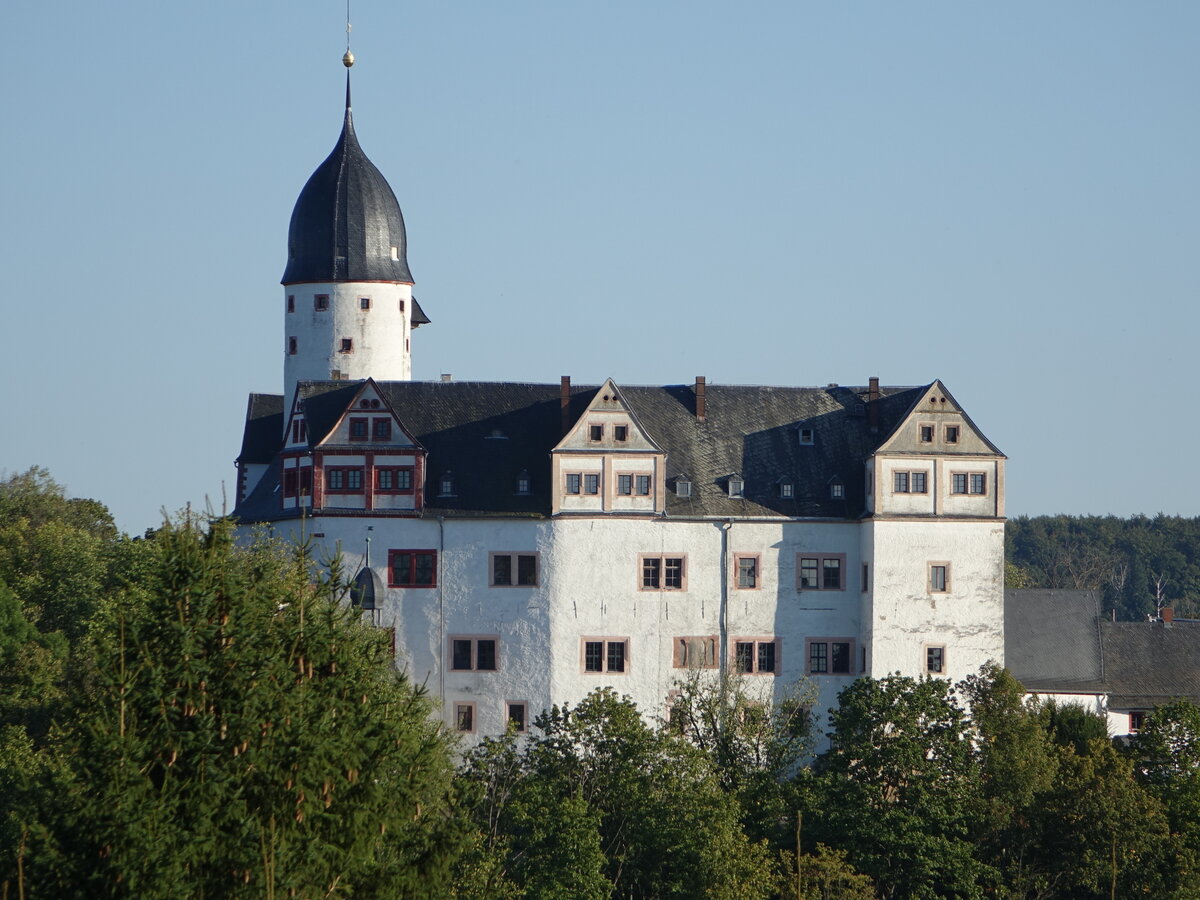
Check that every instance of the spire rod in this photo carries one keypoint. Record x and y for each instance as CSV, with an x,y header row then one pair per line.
x,y
348,58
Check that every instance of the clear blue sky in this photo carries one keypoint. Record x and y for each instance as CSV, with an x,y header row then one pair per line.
x,y
1003,196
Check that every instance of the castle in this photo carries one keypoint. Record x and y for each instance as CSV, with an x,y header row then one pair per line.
x,y
528,543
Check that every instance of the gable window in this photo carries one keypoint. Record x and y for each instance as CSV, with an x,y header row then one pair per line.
x,y
321,302
524,484
829,657
591,484
935,659
344,480
737,487
517,715
474,654
299,431
757,656
695,652
977,483
939,578
926,432
292,346
464,717
291,303
573,483
951,434
624,484
514,569
746,567
358,429
394,479
821,572
605,654
364,302
412,568
663,573
381,429
595,433
806,435
620,433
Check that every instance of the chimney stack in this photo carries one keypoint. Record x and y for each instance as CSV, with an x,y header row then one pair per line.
x,y
564,400
1168,615
873,402
701,410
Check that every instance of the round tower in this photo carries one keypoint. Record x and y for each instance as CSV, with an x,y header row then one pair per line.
x,y
349,309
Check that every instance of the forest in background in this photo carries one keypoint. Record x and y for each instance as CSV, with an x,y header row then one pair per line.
x,y
1139,564
183,717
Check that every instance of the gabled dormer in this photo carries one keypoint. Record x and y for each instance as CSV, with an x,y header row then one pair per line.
x,y
368,421
607,462
936,462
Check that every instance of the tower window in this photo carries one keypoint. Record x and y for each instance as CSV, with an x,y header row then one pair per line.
x,y
321,302
347,346
401,306
292,348
291,307
364,302
396,253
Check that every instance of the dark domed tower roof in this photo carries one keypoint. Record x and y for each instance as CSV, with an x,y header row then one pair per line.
x,y
346,221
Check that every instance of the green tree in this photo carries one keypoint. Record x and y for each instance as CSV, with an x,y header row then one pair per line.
x,y
1167,761
243,734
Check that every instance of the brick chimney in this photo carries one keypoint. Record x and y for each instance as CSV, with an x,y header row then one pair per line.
x,y
701,403
873,402
564,399
1167,614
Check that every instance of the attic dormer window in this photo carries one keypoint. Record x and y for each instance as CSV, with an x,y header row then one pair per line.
x,y
523,482
446,485
787,489
806,436
683,487
837,490
620,433
737,487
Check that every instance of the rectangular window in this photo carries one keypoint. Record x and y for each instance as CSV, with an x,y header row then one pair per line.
x,y
787,490
573,482
951,434
518,716
344,480
289,482
346,346
394,479
747,572
381,429
412,568
620,433
358,429
643,485
464,717
514,569
830,657
591,484
474,654
306,479
939,578
918,482
695,652
595,433
1137,721
756,656
624,484
926,434
935,660
321,302
292,346
866,578
900,483
605,654
806,436
958,483
364,302
821,572
667,573
978,483
291,303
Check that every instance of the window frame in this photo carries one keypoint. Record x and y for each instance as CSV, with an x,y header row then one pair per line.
x,y
828,643
624,484
927,651
514,562
682,648
412,567
757,573
621,434
820,557
756,642
346,345
395,472
573,483
509,706
663,560
468,707
595,432
1137,720
381,428
364,303
945,577
355,422
977,478
320,302
343,475
951,434
605,655
643,484
926,428
293,346
591,484
474,640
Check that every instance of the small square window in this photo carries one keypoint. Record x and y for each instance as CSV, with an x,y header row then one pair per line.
x,y
837,490
787,490
951,434
595,433
591,484
364,302
737,487
926,434
358,429
321,302
806,435
381,429
620,433
683,487
346,346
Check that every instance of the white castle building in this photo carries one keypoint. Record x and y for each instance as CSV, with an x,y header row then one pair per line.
x,y
528,543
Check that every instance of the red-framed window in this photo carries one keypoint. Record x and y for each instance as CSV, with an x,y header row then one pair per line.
x,y
412,568
358,429
344,480
394,479
291,480
381,429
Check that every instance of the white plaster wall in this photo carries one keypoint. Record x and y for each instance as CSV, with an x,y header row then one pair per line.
x,y
380,334
905,616
893,503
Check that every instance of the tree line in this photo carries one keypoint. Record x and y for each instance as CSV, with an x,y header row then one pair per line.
x,y
1139,564
185,717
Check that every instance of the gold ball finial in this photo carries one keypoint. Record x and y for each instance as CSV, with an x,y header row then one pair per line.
x,y
348,59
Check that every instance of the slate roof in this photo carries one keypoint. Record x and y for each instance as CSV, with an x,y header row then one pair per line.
x,y
486,433
1055,641
264,427
346,220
